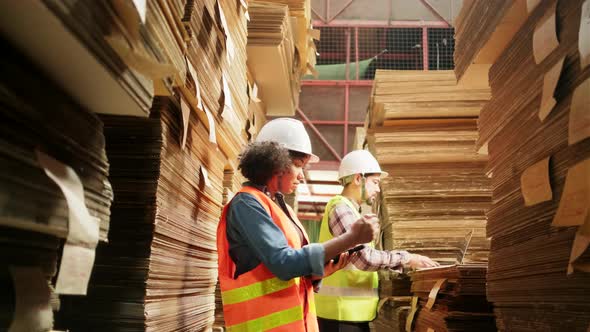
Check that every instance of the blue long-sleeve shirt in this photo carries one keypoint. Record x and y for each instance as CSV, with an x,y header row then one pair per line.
x,y
254,238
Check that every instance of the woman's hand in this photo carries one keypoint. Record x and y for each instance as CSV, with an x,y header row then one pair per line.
x,y
332,267
366,229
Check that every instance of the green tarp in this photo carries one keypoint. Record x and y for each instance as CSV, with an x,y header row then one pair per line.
x,y
338,71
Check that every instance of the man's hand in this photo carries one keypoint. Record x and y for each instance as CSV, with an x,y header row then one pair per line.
x,y
418,261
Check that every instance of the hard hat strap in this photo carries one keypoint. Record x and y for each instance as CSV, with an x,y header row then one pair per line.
x,y
363,190
346,180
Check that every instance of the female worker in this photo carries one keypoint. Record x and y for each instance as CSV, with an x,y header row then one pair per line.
x,y
266,265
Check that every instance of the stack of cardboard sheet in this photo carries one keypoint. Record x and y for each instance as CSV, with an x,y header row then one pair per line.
x,y
396,95
256,120
395,299
170,36
127,52
205,48
136,50
256,110
422,129
392,315
32,200
303,32
158,272
235,113
271,56
536,130
216,86
216,50
481,24
232,183
54,194
219,320
281,50
359,138
116,63
28,263
451,298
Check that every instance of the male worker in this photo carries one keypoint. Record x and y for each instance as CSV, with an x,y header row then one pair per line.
x,y
347,300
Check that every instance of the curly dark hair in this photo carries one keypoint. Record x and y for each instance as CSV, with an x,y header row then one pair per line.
x,y
298,155
260,161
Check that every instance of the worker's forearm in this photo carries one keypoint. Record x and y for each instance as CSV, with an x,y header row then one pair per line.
x,y
338,245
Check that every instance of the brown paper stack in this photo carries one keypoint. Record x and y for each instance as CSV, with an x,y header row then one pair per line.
x,y
256,110
27,250
271,56
300,12
113,32
256,120
477,23
35,215
235,114
232,183
452,298
205,48
33,201
219,320
158,271
536,128
281,50
422,129
394,305
217,52
392,314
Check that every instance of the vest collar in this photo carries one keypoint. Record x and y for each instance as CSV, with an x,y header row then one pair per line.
x,y
354,203
264,189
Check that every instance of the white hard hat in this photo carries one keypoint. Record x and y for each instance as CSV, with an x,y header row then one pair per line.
x,y
290,134
359,162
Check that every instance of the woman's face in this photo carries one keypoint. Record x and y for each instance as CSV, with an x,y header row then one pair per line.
x,y
292,176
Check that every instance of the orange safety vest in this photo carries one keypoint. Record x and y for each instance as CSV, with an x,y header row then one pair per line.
x,y
257,300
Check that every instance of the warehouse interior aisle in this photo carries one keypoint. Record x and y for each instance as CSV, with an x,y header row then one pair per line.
x,y
123,121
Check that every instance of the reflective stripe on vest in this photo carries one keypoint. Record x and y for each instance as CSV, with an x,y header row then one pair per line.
x,y
257,300
347,291
250,292
271,321
348,294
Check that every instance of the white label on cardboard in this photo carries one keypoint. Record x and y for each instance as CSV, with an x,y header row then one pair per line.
x,y
205,176
574,204
228,103
141,7
211,122
83,230
549,84
535,185
193,73
186,112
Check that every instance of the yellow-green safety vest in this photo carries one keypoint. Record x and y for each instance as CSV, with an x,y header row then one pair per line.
x,y
349,294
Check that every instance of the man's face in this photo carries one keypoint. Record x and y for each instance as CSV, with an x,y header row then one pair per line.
x,y
372,187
